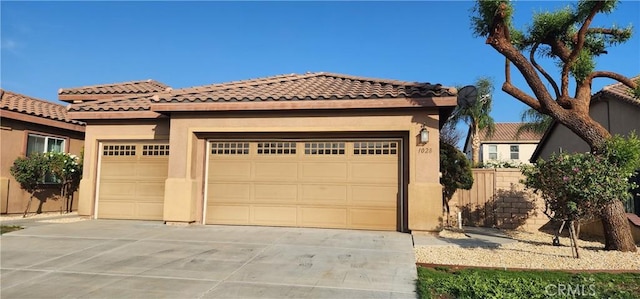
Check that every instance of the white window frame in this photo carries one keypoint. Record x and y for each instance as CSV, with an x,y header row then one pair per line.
x,y
47,138
517,152
46,142
494,152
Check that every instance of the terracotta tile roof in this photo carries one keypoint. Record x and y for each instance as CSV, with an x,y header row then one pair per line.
x,y
506,132
293,87
131,87
16,102
619,91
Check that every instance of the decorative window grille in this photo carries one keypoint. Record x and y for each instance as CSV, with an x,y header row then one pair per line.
x,y
375,148
324,148
155,150
276,148
119,150
230,148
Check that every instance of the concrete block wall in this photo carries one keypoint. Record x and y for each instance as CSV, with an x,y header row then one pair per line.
x,y
505,202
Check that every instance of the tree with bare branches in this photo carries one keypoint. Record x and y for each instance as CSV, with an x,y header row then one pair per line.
x,y
567,37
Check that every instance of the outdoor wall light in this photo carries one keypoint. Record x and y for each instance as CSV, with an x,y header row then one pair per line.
x,y
424,135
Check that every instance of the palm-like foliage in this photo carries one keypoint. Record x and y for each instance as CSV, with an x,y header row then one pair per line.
x,y
534,122
477,116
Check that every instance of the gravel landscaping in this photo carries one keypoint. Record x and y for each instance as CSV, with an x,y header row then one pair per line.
x,y
533,251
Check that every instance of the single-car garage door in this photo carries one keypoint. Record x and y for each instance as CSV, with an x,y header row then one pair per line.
x,y
309,183
131,180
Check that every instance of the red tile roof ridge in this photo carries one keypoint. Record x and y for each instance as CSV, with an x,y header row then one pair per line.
x,y
91,89
17,102
290,77
96,105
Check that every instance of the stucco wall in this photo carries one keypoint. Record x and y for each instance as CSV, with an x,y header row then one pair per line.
x,y
616,116
188,132
13,139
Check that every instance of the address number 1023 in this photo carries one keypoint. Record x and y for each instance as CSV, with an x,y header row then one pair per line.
x,y
425,150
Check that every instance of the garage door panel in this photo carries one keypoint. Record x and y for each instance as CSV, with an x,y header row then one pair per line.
x,y
229,192
228,214
117,169
117,188
276,171
323,217
274,215
156,169
374,172
230,170
324,193
150,210
378,196
119,209
323,171
379,219
275,193
154,189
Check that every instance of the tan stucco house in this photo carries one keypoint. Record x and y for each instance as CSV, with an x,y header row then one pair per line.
x,y
302,150
31,125
505,144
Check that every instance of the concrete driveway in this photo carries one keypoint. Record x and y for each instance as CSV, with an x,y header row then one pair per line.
x,y
126,259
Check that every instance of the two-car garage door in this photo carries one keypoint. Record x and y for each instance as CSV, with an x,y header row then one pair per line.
x,y
305,183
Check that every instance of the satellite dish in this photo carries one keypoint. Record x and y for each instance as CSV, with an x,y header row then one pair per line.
x,y
467,96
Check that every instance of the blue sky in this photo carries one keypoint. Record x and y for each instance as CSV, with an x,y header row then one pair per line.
x,y
51,45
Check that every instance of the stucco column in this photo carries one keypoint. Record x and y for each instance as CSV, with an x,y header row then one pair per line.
x,y
180,193
425,191
87,187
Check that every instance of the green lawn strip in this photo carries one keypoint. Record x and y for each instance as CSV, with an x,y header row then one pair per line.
x,y
9,228
483,283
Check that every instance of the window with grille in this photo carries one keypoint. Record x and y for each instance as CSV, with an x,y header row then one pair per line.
x,y
515,152
276,148
375,148
230,148
493,152
324,148
119,150
155,150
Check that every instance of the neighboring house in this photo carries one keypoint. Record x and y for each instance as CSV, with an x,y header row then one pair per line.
x,y
505,145
32,125
309,150
614,108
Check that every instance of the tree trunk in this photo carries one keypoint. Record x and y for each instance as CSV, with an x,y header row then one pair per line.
x,y
617,232
475,146
28,206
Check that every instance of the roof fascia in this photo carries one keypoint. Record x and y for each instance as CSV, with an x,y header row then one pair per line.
x,y
82,115
307,104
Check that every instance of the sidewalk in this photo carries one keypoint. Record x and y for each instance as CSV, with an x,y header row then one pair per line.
x,y
476,237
